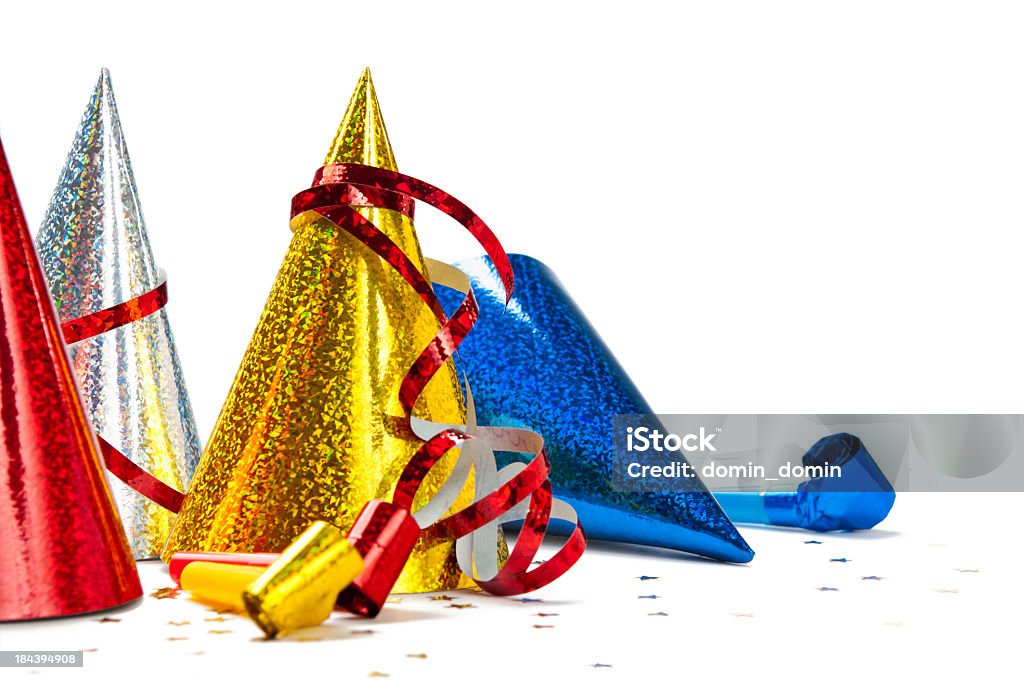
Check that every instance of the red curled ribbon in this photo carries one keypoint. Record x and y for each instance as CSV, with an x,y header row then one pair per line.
x,y
332,182
100,322
119,315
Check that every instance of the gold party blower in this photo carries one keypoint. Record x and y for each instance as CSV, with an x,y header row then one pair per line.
x,y
312,428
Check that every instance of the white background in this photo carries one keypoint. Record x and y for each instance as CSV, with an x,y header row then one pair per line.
x,y
763,207
802,207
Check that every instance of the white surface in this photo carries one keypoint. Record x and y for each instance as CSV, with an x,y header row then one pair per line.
x,y
764,620
800,207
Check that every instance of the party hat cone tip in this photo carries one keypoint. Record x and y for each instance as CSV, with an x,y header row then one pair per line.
x,y
362,136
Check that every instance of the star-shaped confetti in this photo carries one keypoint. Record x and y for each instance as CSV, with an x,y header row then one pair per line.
x,y
842,560
169,593
442,598
826,589
647,597
648,578
872,578
215,619
176,639
108,619
378,674
600,665
218,631
812,542
528,600
179,623
461,606
416,656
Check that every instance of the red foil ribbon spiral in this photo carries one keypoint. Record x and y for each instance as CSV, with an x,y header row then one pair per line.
x,y
100,322
530,482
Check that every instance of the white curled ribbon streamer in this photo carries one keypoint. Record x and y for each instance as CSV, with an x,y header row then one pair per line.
x,y
476,552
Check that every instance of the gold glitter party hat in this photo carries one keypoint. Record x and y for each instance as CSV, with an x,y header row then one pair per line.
x,y
312,427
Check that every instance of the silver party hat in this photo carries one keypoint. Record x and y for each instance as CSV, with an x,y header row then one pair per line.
x,y
96,254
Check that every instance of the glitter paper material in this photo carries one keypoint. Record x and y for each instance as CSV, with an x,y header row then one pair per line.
x,y
96,254
63,551
538,364
312,426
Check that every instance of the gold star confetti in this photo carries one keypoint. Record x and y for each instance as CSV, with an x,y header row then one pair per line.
x,y
658,614
218,631
176,639
462,606
108,619
378,674
393,600
442,598
165,593
743,615
947,591
215,619
362,631
309,638
417,656
222,610
538,625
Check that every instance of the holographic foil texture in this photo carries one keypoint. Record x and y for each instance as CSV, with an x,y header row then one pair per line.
x,y
539,364
313,428
96,254
62,550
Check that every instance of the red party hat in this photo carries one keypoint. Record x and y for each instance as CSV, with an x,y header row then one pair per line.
x,y
63,550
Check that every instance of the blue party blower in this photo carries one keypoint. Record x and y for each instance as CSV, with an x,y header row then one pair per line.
x,y
859,498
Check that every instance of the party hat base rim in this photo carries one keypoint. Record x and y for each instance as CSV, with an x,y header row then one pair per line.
x,y
127,605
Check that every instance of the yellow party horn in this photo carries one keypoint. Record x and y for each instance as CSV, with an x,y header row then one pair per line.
x,y
300,588
220,585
